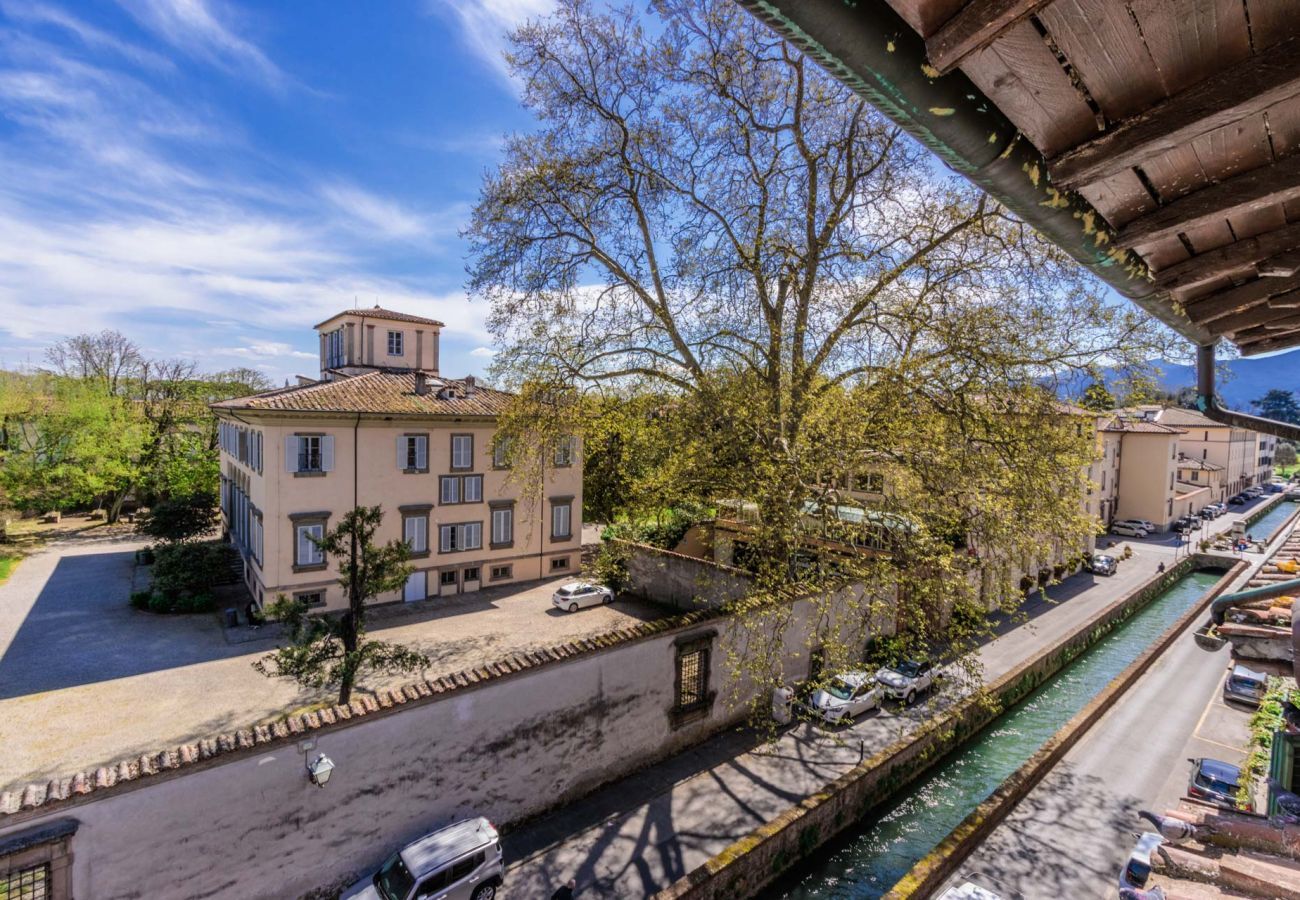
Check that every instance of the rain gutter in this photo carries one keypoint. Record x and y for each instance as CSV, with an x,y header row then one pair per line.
x,y
1208,403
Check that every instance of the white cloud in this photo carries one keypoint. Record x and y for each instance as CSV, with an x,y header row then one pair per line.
x,y
484,25
482,351
192,27
90,36
385,216
264,350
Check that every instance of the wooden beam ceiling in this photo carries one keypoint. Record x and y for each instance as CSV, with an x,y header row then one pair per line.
x,y
975,26
1253,190
1203,310
1210,265
1243,90
1281,342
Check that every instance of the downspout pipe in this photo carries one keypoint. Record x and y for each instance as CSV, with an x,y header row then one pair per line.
x,y
869,48
1219,608
1208,403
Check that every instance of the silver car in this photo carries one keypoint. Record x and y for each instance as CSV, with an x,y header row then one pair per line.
x,y
578,594
1245,685
459,862
1126,529
847,695
1101,564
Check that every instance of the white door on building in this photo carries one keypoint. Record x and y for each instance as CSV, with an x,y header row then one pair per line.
x,y
415,587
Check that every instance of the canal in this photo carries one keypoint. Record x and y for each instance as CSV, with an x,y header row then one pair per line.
x,y
868,860
1276,516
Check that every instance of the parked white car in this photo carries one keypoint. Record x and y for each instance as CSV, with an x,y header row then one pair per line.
x,y
579,594
1127,530
847,695
905,680
460,862
1148,527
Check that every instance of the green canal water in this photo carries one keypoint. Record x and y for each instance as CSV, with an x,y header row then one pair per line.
x,y
1276,516
869,859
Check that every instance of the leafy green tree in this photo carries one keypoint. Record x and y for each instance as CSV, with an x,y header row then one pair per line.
x,y
1280,405
1097,397
329,650
1285,455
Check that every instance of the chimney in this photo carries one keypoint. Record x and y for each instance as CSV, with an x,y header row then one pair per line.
x,y
469,385
421,384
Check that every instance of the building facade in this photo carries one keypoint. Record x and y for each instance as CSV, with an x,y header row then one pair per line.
x,y
382,427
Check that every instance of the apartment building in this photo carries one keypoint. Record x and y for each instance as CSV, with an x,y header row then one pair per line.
x,y
382,427
1149,487
1235,450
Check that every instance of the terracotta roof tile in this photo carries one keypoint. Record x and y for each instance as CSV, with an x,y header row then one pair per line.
x,y
378,312
380,391
1140,426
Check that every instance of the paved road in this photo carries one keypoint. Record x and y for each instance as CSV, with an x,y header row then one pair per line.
x,y
87,680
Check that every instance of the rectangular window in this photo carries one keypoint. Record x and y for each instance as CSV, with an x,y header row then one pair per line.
x,y
394,343
503,526
447,578
501,453
462,451
501,573
309,458
449,489
472,489
560,526
559,564
306,552
692,677
31,883
311,598
470,574
467,536
334,349
413,453
563,452
460,489
415,530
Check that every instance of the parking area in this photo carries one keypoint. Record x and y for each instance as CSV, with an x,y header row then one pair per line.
x,y
85,679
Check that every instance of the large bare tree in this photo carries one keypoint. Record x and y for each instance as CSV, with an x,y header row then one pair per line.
x,y
703,213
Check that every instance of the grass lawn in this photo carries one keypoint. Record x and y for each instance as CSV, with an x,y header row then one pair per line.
x,y
7,564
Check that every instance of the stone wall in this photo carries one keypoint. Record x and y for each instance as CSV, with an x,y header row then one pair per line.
x,y
684,582
747,866
236,816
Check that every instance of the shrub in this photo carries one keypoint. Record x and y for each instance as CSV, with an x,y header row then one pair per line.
x,y
140,599
183,577
180,519
665,530
610,567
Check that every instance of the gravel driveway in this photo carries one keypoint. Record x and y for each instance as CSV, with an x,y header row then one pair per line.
x,y
86,680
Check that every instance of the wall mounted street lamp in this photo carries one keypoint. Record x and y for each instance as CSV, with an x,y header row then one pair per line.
x,y
319,771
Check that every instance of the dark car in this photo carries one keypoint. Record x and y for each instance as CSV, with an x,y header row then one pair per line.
x,y
1185,523
1207,513
1239,500
1213,781
1101,564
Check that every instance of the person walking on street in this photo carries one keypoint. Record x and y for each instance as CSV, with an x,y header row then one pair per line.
x,y
565,891
1161,567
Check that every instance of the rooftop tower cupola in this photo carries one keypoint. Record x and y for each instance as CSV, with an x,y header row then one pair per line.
x,y
360,340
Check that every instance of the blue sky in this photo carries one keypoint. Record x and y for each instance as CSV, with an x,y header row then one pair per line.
x,y
214,177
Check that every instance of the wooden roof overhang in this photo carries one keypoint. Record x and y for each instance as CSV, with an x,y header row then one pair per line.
x,y
1168,131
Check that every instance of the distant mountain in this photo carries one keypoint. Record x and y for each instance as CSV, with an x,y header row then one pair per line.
x,y
1250,378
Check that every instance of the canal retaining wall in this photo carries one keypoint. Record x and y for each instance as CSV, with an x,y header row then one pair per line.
x,y
754,861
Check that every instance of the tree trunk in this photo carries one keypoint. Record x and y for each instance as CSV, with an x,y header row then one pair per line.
x,y
115,508
350,627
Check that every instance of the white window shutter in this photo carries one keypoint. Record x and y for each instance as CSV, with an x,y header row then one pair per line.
x,y
422,453
291,453
304,547
401,451
327,453
421,534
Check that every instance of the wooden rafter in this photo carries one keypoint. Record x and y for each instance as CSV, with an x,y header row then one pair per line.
x,y
1236,93
1216,306
1238,255
975,26
1280,342
1260,314
1257,189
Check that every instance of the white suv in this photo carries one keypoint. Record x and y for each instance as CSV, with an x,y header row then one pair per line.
x,y
905,680
459,862
1128,529
578,594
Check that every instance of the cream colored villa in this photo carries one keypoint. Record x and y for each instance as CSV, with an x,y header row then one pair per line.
x,y
381,427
